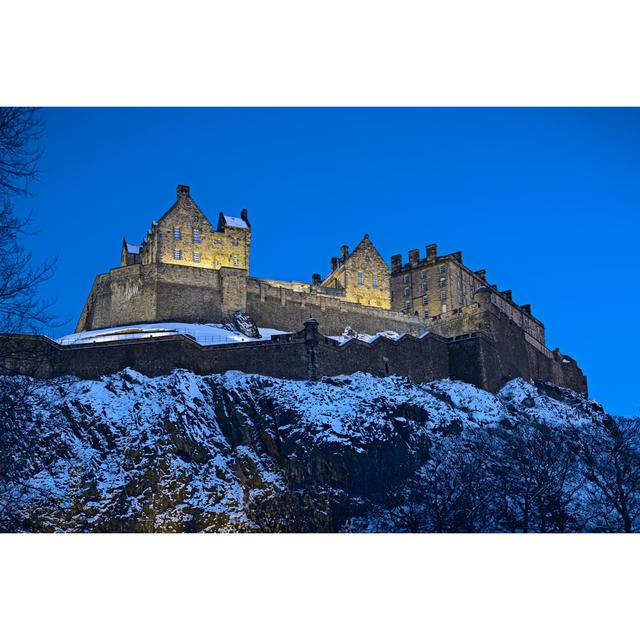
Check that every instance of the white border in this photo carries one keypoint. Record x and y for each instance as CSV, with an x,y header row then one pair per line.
x,y
338,52
319,586
548,52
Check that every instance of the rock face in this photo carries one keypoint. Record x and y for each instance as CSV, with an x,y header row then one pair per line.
x,y
244,323
237,452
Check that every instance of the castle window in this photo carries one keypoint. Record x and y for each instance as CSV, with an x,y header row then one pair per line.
x,y
426,313
177,254
425,288
176,233
196,256
375,279
443,269
406,292
423,275
425,300
234,242
407,305
444,308
443,295
196,236
359,277
407,279
443,282
235,261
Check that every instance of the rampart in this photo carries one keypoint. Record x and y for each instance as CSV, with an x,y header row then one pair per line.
x,y
302,355
476,358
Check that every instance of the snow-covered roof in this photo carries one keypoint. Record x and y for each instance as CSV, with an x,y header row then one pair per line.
x,y
235,222
133,248
202,333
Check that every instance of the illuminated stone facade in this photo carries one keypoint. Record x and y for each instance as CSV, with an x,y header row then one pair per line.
x,y
361,276
184,236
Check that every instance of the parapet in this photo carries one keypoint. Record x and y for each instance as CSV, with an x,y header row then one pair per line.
x,y
415,260
480,359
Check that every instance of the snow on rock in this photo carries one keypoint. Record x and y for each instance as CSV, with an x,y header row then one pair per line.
x,y
238,452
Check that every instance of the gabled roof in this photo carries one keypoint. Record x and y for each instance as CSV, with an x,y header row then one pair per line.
x,y
183,196
342,260
366,242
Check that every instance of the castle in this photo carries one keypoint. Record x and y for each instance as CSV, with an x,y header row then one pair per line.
x,y
186,270
455,323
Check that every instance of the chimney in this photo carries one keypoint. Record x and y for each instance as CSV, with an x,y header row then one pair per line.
x,y
243,215
344,250
396,263
457,256
334,264
482,274
526,308
432,251
316,279
508,294
414,257
183,191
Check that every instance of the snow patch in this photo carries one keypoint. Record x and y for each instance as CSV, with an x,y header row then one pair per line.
x,y
202,333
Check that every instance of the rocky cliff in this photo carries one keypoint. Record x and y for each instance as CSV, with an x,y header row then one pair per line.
x,y
236,452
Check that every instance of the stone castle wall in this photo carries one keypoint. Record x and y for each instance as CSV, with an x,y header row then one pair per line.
x,y
282,308
485,345
500,350
475,358
288,356
164,292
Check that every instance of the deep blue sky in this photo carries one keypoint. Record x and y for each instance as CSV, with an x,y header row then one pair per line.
x,y
546,200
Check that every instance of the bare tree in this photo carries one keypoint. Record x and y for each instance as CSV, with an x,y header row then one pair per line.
x,y
21,308
536,479
612,460
20,133
450,492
